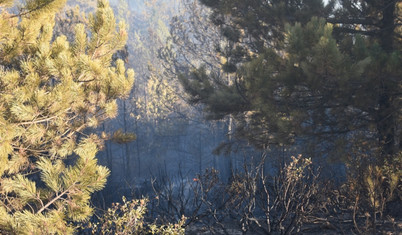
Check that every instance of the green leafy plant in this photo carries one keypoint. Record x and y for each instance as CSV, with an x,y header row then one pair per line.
x,y
128,217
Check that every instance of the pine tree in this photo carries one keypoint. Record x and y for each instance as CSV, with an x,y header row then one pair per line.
x,y
51,93
306,70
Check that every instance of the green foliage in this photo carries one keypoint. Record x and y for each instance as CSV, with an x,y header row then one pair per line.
x,y
325,78
303,73
370,187
120,137
160,98
129,218
50,92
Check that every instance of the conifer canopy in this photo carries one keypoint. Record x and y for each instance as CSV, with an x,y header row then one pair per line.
x,y
323,73
51,92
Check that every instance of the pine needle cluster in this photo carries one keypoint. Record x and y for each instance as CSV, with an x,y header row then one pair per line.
x,y
51,90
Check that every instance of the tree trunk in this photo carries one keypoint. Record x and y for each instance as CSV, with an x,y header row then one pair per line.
x,y
386,114
127,151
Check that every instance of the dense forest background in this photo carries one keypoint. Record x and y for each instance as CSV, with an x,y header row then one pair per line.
x,y
172,136
199,116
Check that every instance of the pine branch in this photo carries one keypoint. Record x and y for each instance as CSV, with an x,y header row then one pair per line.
x,y
362,21
54,200
29,149
355,31
30,11
37,121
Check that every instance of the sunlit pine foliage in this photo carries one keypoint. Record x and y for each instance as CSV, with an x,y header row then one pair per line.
x,y
51,91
